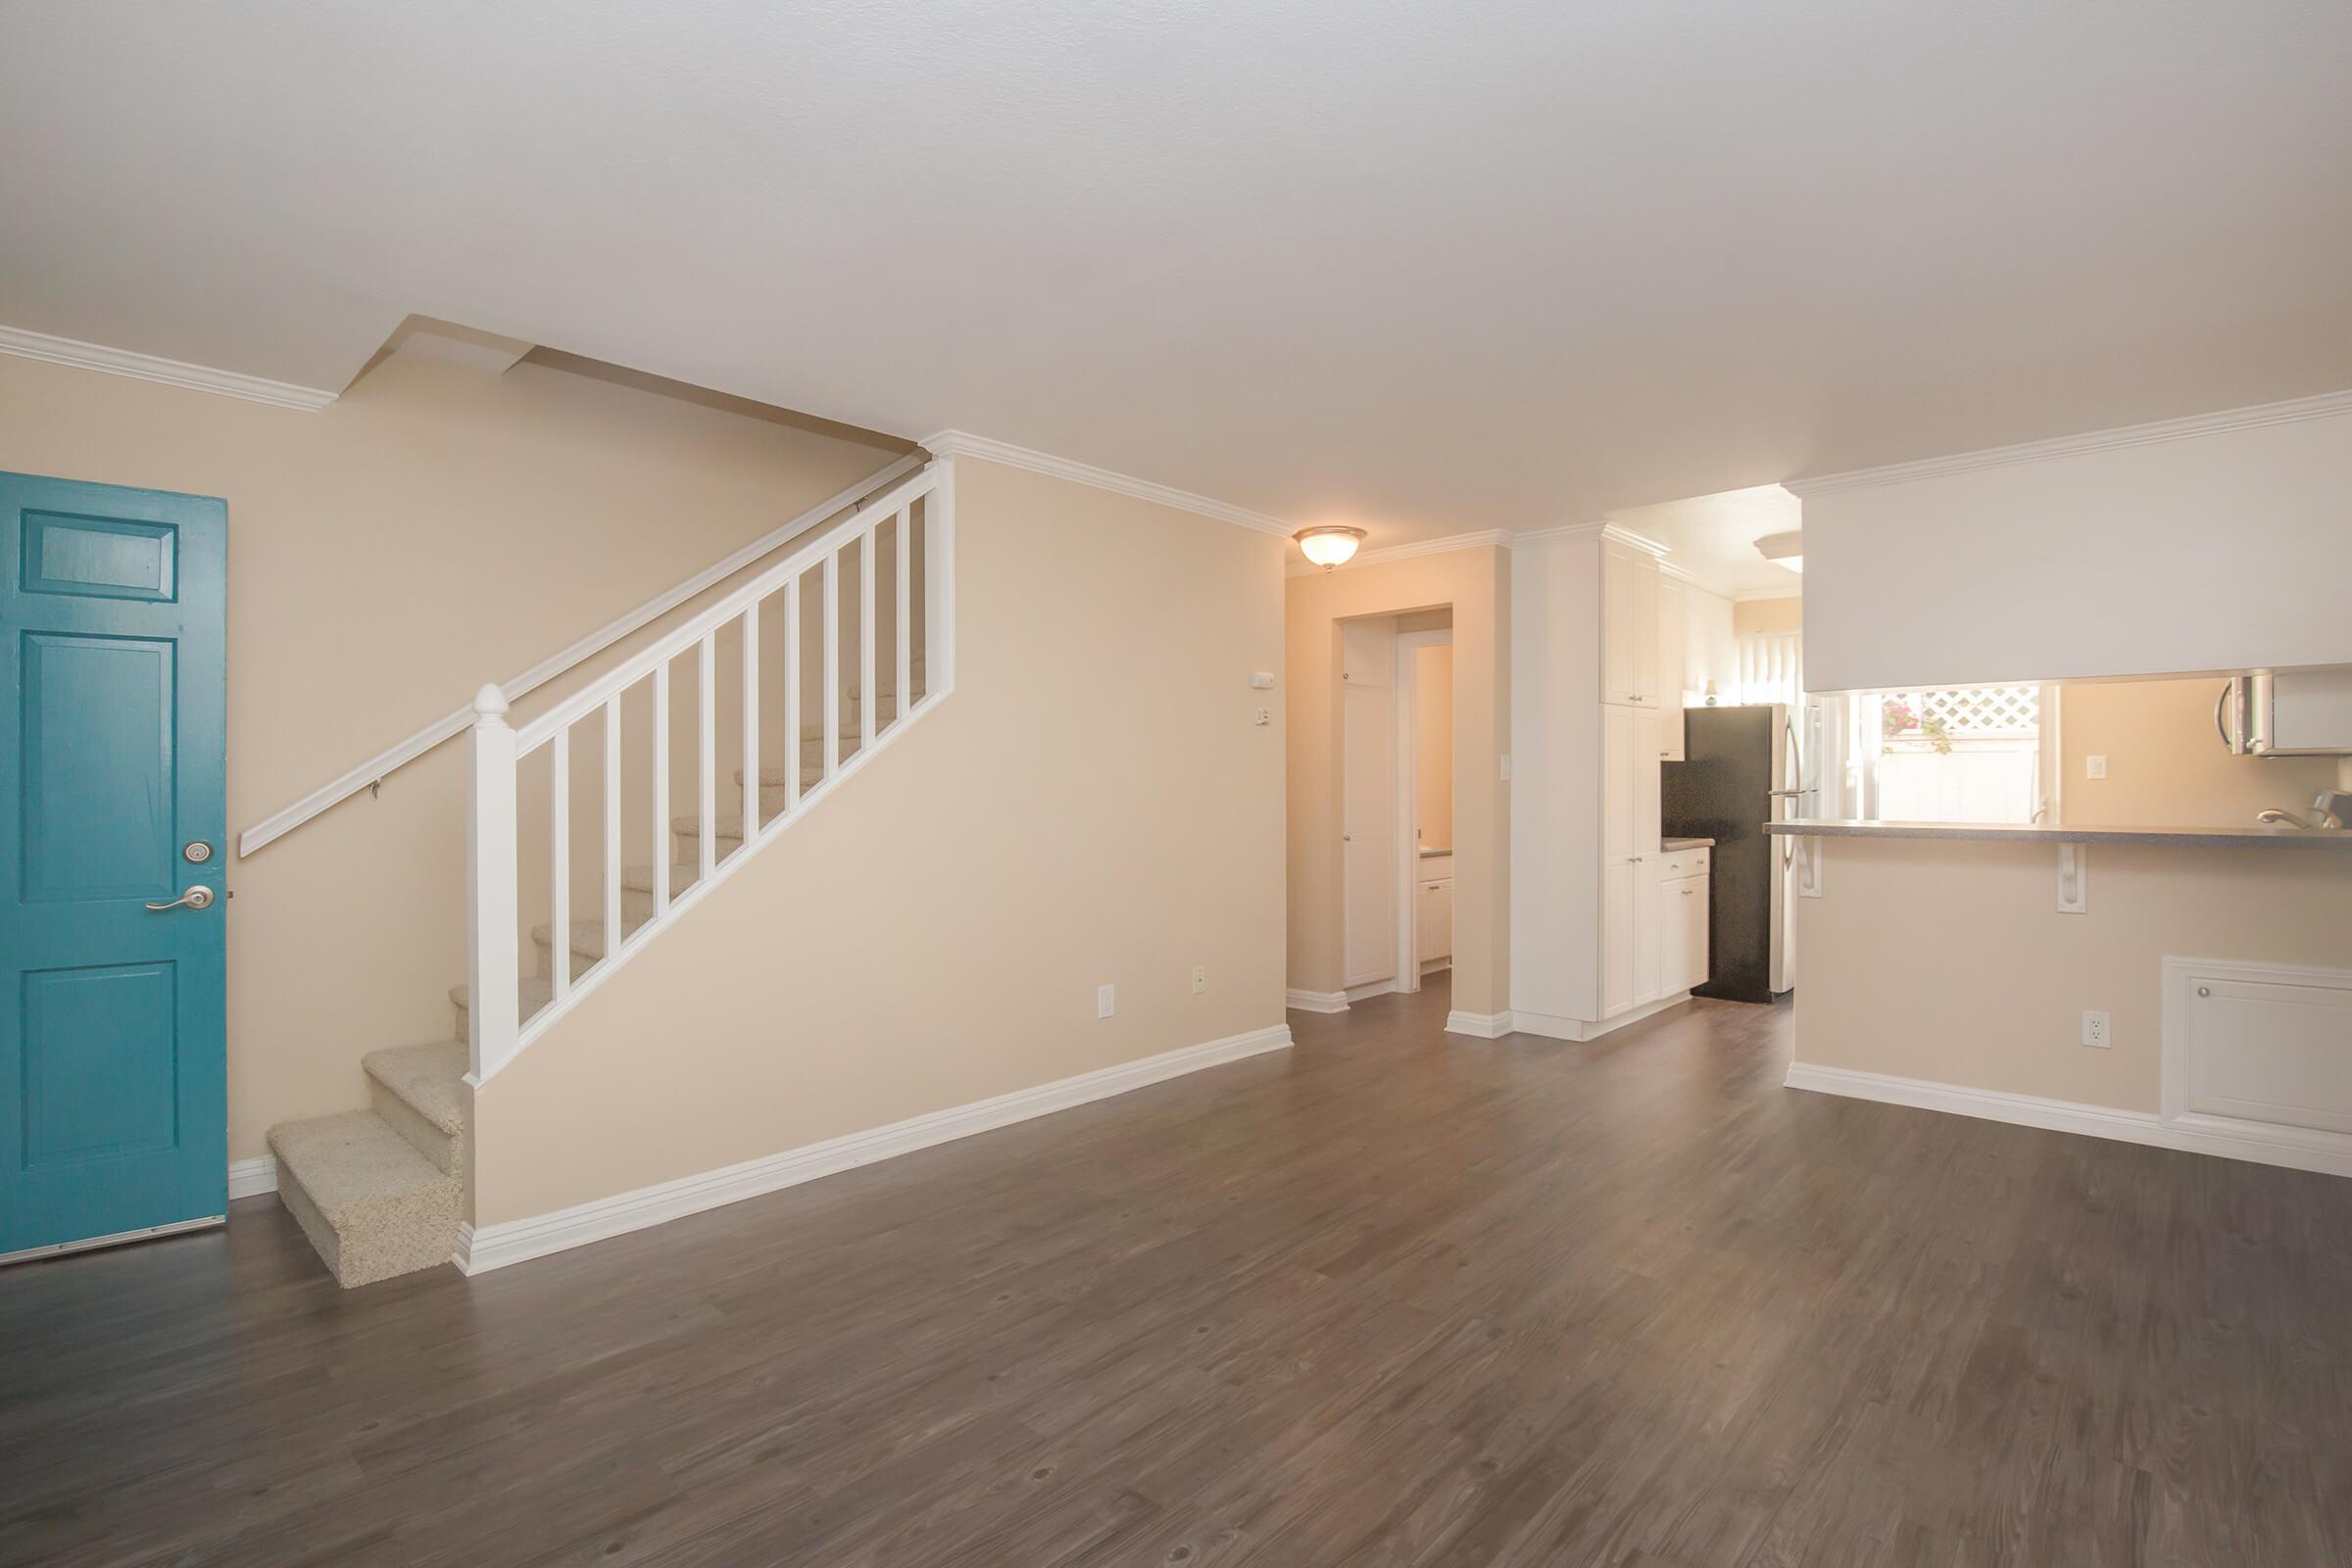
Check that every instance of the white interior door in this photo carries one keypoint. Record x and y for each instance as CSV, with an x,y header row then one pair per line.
x,y
1368,832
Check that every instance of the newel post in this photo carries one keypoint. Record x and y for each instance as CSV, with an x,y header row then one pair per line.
x,y
939,581
493,967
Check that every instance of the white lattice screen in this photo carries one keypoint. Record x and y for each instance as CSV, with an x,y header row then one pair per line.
x,y
1982,713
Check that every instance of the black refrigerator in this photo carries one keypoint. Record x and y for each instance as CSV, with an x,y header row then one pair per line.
x,y
1742,768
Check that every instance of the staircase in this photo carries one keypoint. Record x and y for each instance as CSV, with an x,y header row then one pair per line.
x,y
381,1191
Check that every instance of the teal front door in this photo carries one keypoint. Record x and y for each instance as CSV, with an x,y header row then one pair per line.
x,y
113,1058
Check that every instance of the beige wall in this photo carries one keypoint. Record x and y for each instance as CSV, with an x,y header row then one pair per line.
x,y
1750,616
2166,767
1432,723
1476,585
1092,805
432,529
1950,961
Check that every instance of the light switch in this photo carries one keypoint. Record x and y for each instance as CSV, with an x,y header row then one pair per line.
x,y
2095,767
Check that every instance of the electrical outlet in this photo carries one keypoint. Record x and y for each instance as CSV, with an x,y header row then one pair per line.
x,y
2095,1032
1107,1001
2095,767
1261,715
1199,979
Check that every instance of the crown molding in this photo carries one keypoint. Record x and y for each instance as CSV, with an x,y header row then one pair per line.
x,y
1497,538
171,373
2322,406
964,444
1615,533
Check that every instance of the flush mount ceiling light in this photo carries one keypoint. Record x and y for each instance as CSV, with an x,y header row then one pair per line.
x,y
1785,549
1330,545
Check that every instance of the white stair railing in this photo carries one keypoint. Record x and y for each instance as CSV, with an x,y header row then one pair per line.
x,y
497,1029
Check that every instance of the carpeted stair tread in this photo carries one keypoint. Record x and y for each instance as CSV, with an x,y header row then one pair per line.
x,y
588,935
537,991
726,825
640,878
430,1078
774,778
369,1200
350,1162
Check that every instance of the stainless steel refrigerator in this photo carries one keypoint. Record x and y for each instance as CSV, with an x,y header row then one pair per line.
x,y
1742,768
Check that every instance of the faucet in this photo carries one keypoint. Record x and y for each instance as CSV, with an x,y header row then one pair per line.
x,y
2327,806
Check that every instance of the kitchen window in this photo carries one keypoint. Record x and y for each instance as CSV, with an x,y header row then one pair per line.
x,y
1966,753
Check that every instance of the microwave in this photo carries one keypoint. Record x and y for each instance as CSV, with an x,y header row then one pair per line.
x,y
2303,714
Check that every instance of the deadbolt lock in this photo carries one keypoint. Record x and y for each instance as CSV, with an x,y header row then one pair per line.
x,y
198,851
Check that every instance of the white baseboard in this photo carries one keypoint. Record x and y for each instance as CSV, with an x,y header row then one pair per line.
x,y
2067,1116
1483,1025
1370,989
1551,1026
250,1178
1430,966
518,1241
1315,1001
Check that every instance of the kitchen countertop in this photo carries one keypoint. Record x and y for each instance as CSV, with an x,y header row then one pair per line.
x,y
1672,844
2042,833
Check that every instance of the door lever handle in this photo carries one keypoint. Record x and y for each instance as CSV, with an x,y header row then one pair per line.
x,y
198,896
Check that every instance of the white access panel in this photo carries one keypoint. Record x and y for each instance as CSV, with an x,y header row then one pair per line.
x,y
2254,1046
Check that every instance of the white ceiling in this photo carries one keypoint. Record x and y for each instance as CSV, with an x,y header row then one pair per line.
x,y
1714,538
1428,267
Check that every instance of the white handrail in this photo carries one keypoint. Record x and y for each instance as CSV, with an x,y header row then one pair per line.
x,y
451,725
591,696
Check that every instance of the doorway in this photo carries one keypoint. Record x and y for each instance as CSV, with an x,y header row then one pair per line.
x,y
1397,800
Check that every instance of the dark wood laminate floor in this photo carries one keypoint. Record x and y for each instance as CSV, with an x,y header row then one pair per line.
x,y
1393,1298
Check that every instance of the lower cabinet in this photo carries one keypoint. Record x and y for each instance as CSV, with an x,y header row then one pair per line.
x,y
1682,933
1434,920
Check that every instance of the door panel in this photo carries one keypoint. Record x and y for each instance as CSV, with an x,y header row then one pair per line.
x,y
98,1073
113,1115
1370,868
1617,835
1642,760
1620,679
97,750
1368,831
1617,937
1646,931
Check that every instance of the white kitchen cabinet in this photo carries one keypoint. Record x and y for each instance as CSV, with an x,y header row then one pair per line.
x,y
1629,627
1682,933
1673,657
1590,728
1435,926
1629,835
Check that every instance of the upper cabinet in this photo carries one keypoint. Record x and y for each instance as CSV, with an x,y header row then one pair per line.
x,y
1629,621
1674,616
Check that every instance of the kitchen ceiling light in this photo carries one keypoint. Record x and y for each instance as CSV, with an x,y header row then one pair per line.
x,y
1328,546
1785,550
